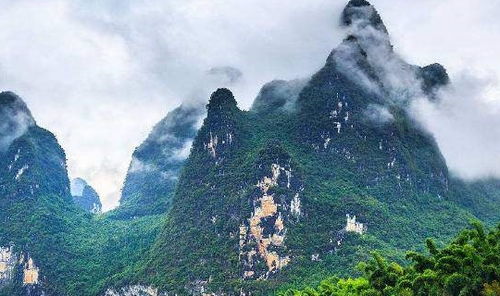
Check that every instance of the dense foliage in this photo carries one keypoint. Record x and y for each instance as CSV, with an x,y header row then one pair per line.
x,y
469,265
77,253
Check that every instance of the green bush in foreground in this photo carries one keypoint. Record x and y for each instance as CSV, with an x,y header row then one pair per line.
x,y
469,265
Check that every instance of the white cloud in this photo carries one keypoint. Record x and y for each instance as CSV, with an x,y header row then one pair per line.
x,y
100,74
12,126
466,125
378,114
138,166
183,152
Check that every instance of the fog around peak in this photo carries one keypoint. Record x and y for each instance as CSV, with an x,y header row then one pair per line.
x,y
101,74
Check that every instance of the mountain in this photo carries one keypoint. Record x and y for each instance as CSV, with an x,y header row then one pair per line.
x,y
33,185
85,196
49,245
312,178
30,155
156,163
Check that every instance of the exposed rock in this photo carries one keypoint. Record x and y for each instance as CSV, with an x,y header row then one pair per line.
x,y
353,226
30,272
135,290
8,262
263,235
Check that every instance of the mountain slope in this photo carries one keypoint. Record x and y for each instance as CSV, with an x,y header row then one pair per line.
x,y
156,163
304,185
33,186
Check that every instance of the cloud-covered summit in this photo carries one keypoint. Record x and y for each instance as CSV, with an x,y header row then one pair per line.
x,y
15,118
456,110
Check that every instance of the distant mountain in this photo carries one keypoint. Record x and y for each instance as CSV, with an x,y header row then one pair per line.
x,y
156,163
278,96
85,196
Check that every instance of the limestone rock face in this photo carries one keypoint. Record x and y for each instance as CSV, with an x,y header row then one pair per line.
x,y
8,261
353,226
19,270
135,290
262,237
30,273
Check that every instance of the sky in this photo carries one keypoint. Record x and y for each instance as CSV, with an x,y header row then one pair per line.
x,y
100,74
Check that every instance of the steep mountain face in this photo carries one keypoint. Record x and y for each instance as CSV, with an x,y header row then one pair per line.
x,y
313,177
156,163
33,183
85,196
30,154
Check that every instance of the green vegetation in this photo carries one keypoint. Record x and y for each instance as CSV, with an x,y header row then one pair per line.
x,y
77,253
469,265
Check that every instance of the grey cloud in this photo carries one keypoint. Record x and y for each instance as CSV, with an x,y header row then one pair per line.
x,y
226,74
15,119
466,124
100,74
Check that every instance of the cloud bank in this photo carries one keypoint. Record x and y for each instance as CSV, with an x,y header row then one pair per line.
x,y
100,74
466,124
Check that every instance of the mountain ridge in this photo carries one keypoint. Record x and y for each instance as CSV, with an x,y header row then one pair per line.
x,y
315,176
351,163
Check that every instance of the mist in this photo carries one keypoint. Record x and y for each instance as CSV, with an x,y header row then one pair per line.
x,y
15,119
463,116
466,125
